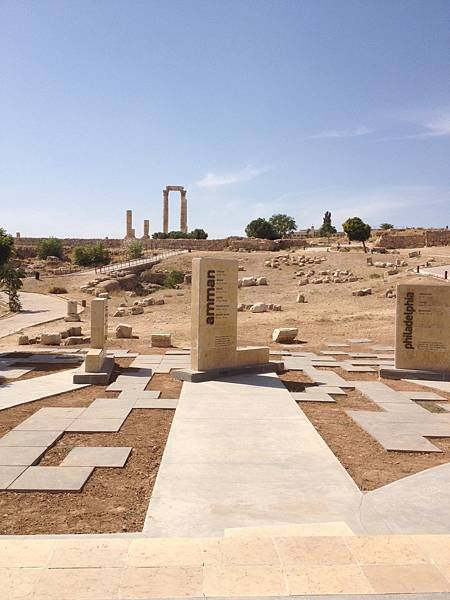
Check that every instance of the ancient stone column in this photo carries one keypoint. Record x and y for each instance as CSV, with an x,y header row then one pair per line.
x,y
165,211
183,212
146,228
129,224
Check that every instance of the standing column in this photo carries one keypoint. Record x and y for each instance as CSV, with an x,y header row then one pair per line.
x,y
129,224
146,228
183,212
165,211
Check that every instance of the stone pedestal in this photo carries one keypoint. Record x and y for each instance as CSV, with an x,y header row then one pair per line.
x,y
214,324
72,312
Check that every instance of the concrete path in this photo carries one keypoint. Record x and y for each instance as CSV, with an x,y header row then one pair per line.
x,y
241,453
29,390
436,271
36,309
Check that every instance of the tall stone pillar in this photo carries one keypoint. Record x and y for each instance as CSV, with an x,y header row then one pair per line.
x,y
165,211
129,232
146,228
183,212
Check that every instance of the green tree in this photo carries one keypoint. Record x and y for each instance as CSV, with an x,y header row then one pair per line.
x,y
327,228
173,278
50,247
357,231
198,234
6,247
284,225
386,226
135,249
159,235
10,276
261,228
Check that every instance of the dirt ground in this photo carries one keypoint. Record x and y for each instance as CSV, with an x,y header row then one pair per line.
x,y
331,312
113,500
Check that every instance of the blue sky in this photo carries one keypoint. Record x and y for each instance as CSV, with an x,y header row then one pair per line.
x,y
256,107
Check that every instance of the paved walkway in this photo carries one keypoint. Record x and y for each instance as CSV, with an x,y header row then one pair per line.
x,y
240,452
436,271
29,390
36,309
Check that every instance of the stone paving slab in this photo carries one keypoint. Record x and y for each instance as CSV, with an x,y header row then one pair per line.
x,y
337,345
356,368
382,348
445,406
43,424
310,397
14,456
8,475
13,372
17,438
37,388
139,395
444,386
328,389
96,457
422,395
334,352
359,341
164,403
52,479
95,425
327,378
108,408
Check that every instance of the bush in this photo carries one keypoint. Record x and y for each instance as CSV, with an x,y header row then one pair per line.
x,y
88,256
374,276
173,278
134,249
55,289
198,234
262,229
50,247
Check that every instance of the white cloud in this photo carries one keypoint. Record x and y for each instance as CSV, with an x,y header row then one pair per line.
x,y
430,124
211,180
341,133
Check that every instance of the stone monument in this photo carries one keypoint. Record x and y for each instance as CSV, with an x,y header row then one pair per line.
x,y
97,367
422,338
214,325
146,229
72,312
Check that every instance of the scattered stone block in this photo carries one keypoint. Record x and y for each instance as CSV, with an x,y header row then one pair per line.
x,y
159,302
50,339
124,331
23,340
300,298
161,340
137,310
259,307
261,281
95,358
284,335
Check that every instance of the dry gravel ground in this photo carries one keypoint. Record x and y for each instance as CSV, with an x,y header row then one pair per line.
x,y
331,312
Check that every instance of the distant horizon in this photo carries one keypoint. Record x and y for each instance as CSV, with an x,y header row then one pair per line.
x,y
255,107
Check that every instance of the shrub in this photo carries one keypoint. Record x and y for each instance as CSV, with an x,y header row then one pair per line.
x,y
134,249
198,234
374,276
56,289
50,247
87,256
173,278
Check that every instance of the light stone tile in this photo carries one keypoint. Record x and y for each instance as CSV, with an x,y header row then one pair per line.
x,y
95,425
160,582
18,584
8,475
94,456
327,579
52,479
239,551
25,553
435,547
161,404
406,579
83,552
79,584
165,552
386,549
20,456
249,580
336,528
313,551
16,438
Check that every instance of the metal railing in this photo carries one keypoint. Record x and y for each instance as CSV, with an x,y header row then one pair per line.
x,y
148,260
